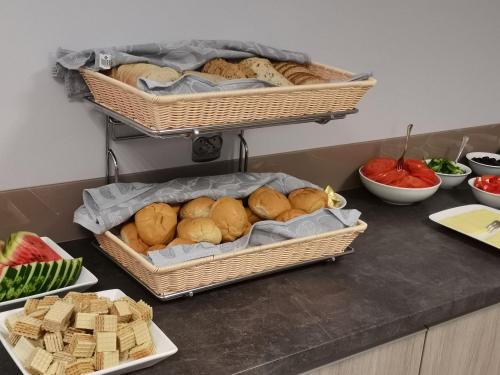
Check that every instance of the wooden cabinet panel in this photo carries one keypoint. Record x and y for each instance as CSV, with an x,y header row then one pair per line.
x,y
469,345
399,357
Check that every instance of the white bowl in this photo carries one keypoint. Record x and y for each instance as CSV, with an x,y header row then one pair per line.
x,y
483,169
488,199
397,195
449,181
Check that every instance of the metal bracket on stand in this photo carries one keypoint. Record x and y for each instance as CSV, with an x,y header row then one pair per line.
x,y
243,158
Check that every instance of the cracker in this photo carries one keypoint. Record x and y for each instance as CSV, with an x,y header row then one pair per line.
x,y
107,359
56,368
141,332
24,349
99,306
58,317
85,320
64,357
28,327
30,305
82,345
122,310
142,350
39,313
106,323
126,338
39,361
11,320
105,341
13,338
68,334
53,342
47,301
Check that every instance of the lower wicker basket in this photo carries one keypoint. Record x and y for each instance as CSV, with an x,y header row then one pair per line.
x,y
183,111
199,273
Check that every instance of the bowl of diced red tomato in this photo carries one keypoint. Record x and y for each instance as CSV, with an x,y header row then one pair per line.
x,y
486,189
413,183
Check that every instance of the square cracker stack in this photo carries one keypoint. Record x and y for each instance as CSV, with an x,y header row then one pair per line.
x,y
85,320
81,366
53,342
126,338
30,306
58,317
24,349
107,359
99,306
68,334
106,323
105,341
82,345
56,368
64,357
142,350
39,361
28,327
122,310
47,301
141,332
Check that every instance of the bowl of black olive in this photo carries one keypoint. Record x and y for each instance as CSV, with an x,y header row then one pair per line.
x,y
484,163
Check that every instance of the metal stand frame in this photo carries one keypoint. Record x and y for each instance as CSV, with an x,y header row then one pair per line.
x,y
114,120
192,292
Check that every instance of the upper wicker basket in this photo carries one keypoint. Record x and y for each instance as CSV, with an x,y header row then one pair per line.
x,y
229,107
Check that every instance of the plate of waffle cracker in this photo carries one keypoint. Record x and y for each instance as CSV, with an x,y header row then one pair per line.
x,y
105,332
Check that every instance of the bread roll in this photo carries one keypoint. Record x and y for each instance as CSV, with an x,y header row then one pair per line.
x,y
252,218
230,216
308,199
290,214
200,229
265,71
267,203
198,207
156,223
176,208
131,237
180,241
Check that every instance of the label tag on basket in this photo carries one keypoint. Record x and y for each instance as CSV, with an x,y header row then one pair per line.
x,y
104,61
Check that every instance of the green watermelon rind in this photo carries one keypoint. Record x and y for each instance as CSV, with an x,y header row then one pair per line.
x,y
29,285
22,273
7,277
75,272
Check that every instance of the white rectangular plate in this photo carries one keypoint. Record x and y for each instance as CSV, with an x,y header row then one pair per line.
x,y
84,281
439,216
164,346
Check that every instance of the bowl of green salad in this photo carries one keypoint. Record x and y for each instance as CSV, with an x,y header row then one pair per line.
x,y
452,174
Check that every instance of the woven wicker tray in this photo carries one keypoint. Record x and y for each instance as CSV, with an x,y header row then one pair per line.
x,y
229,107
177,280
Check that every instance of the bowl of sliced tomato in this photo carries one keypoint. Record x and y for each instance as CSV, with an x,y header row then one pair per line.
x,y
415,182
486,190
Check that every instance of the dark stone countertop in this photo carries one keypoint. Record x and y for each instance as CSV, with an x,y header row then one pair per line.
x,y
406,273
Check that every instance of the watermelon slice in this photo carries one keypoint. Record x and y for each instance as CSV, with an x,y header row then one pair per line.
x,y
26,247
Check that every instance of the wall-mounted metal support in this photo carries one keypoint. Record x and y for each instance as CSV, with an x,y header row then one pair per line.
x,y
115,121
243,157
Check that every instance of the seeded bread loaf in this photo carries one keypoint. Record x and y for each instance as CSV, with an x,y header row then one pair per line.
x,y
265,71
298,74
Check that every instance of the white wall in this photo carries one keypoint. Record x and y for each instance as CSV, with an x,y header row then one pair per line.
x,y
437,62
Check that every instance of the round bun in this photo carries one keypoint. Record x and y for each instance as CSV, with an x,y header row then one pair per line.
x,y
131,237
230,216
180,241
252,218
290,214
267,203
176,208
198,207
156,223
200,229
308,199
156,247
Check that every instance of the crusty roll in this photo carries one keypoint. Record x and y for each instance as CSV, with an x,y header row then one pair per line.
x,y
267,203
308,199
230,216
131,237
290,214
252,218
180,241
198,207
200,229
156,223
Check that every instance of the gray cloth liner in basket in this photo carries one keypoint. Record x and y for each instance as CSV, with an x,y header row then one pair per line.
x,y
111,205
181,56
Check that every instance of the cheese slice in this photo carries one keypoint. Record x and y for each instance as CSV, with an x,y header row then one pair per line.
x,y
473,222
